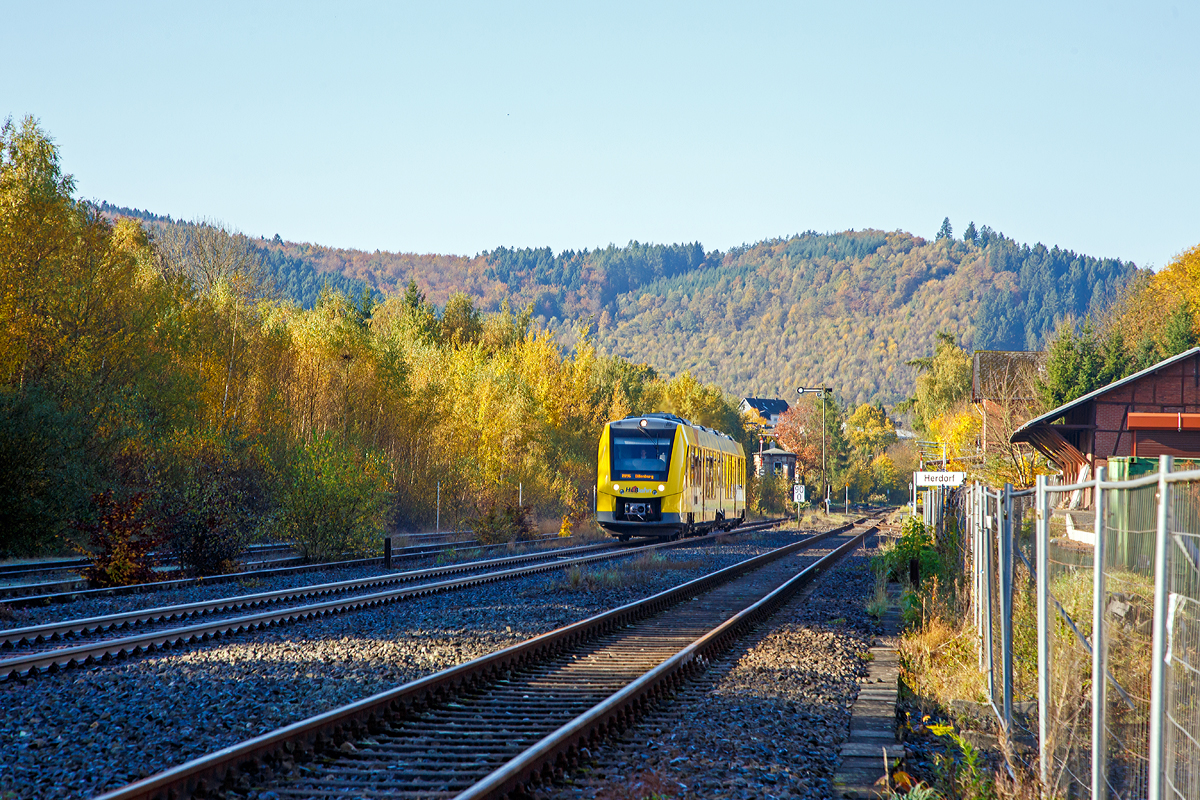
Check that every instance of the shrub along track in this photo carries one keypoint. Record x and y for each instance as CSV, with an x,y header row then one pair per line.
x,y
495,724
38,657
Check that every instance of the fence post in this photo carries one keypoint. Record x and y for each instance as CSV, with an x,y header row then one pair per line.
x,y
977,568
1158,658
1006,603
989,635
1042,499
1099,646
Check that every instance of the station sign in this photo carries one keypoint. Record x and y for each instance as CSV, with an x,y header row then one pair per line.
x,y
939,478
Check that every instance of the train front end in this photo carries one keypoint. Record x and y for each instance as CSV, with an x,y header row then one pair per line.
x,y
639,475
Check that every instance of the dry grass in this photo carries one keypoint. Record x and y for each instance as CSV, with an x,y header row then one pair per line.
x,y
940,664
587,532
636,572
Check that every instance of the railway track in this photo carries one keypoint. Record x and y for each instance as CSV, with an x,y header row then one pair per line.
x,y
14,572
513,718
38,648
19,571
34,594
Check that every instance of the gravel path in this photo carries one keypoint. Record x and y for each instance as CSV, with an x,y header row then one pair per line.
x,y
765,721
84,731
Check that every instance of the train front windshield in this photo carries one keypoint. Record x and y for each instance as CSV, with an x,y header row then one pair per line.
x,y
640,457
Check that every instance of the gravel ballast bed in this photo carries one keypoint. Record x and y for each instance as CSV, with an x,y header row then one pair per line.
x,y
765,721
88,730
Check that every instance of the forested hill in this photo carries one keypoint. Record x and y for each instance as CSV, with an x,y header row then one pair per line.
x,y
293,276
844,309
848,310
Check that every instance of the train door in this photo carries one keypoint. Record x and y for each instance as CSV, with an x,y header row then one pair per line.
x,y
720,479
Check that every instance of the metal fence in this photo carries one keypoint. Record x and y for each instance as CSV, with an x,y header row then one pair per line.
x,y
1119,598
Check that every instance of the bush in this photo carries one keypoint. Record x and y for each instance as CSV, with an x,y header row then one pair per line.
x,y
508,524
333,501
915,542
214,499
120,541
44,475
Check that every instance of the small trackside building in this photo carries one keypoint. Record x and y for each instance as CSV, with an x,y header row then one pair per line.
x,y
775,461
1150,413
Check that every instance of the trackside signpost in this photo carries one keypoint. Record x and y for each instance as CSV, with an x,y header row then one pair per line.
x,y
939,478
944,479
798,498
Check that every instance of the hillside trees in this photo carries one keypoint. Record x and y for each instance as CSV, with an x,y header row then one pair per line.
x,y
1154,318
750,318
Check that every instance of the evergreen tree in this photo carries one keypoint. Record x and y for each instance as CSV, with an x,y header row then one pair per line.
x,y
946,231
969,235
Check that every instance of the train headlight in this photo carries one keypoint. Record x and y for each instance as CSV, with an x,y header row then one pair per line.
x,y
661,488
616,487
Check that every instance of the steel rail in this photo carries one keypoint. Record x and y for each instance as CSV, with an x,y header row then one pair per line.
x,y
555,750
12,637
332,728
9,571
32,664
69,595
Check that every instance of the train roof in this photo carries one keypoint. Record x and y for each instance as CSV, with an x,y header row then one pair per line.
x,y
667,420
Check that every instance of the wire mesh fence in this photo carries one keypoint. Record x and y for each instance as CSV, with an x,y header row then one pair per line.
x,y
1181,659
1056,605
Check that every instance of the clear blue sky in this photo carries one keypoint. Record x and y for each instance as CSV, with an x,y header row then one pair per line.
x,y
454,128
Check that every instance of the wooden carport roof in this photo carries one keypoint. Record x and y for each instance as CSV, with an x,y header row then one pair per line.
x,y
1047,438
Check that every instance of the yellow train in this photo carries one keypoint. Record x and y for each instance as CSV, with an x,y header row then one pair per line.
x,y
660,475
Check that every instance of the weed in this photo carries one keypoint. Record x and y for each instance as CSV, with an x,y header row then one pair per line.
x,y
575,577
646,786
912,791
962,772
879,603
